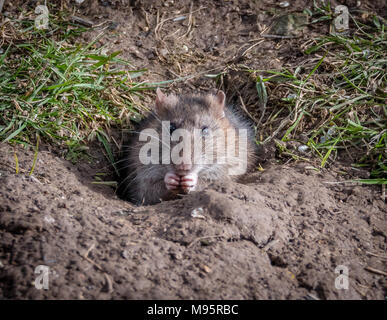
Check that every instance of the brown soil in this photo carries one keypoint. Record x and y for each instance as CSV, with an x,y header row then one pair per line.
x,y
279,235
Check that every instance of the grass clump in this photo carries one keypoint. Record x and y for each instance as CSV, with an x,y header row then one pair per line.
x,y
65,93
336,100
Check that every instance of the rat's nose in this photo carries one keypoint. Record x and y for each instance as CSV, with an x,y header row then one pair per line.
x,y
183,169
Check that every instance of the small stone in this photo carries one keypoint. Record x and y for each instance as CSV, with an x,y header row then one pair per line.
x,y
284,4
206,268
179,18
291,96
303,148
125,254
197,213
49,219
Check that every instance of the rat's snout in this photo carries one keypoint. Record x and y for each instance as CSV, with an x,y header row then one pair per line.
x,y
182,157
183,169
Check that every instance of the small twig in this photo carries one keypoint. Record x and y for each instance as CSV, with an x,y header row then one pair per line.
x,y
202,238
16,161
146,18
95,26
278,37
160,24
282,125
376,255
251,47
89,250
270,244
84,22
245,109
189,22
35,155
376,271
35,180
109,283
311,297
85,256
172,34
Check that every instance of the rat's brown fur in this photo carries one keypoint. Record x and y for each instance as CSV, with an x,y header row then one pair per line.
x,y
144,184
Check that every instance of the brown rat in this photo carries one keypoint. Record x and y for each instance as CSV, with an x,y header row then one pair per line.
x,y
161,161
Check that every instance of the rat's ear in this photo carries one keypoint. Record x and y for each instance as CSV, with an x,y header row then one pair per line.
x,y
163,101
160,99
221,99
218,102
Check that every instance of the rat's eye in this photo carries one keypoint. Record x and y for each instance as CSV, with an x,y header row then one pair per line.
x,y
205,131
172,127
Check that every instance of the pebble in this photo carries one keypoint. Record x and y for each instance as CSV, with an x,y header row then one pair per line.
x,y
197,213
303,148
284,4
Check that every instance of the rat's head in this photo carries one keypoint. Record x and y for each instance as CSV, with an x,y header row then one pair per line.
x,y
193,125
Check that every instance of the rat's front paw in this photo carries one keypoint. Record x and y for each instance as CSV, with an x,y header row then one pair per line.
x,y
172,181
188,182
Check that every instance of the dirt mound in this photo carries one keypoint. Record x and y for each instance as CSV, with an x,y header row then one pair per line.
x,y
280,235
